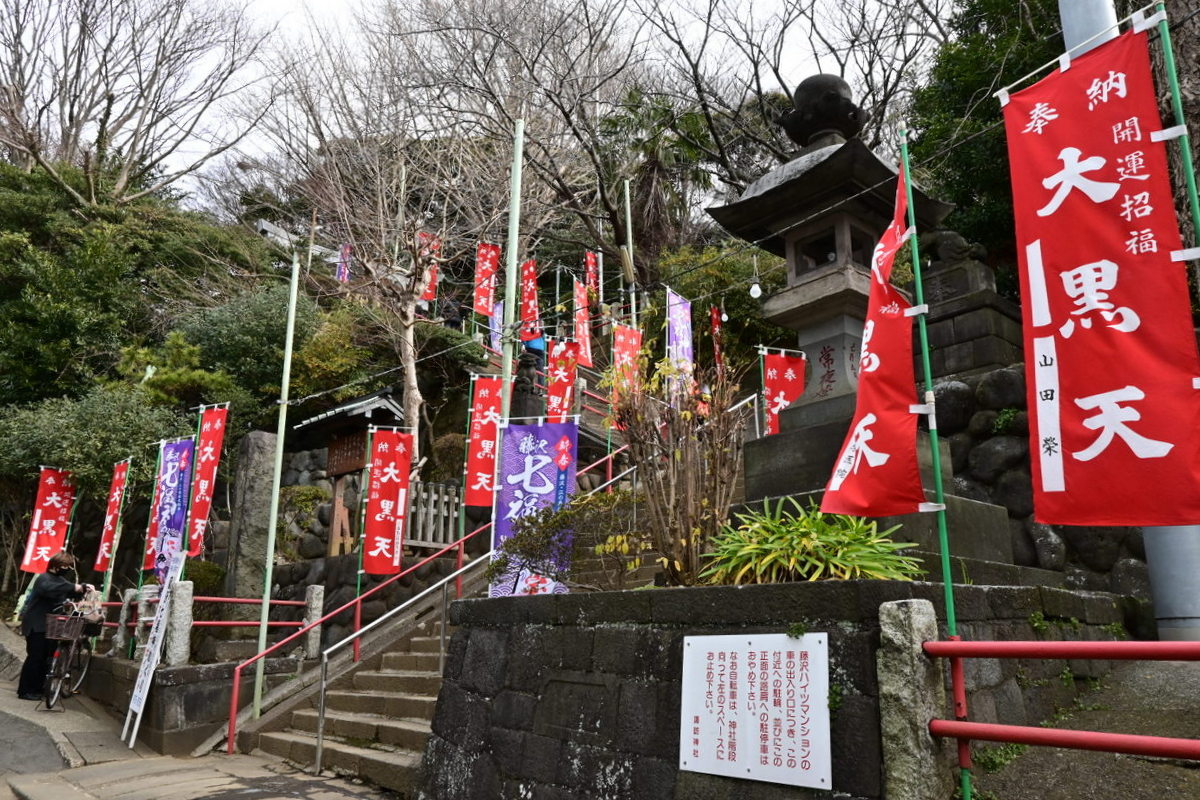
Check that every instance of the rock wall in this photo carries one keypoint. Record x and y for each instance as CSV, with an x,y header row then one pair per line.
x,y
578,696
985,420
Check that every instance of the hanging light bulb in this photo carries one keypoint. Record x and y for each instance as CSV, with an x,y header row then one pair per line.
x,y
756,287
724,316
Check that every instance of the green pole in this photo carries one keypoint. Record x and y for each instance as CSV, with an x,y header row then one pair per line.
x,y
762,382
633,309
935,454
146,542
273,512
1185,146
511,301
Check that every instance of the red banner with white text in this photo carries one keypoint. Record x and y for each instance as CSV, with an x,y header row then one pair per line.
x,y
204,481
591,272
876,473
1096,229
531,317
430,249
112,516
583,325
561,370
387,501
487,263
627,345
483,427
783,383
51,518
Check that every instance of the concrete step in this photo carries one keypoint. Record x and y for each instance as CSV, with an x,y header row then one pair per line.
x,y
392,704
425,662
426,644
409,734
219,651
408,681
391,769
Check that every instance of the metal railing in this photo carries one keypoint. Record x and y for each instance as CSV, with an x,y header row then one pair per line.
x,y
965,732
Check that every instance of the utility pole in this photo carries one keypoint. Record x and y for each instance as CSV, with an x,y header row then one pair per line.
x,y
1172,551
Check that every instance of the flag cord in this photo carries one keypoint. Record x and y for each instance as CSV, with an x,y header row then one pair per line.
x,y
935,454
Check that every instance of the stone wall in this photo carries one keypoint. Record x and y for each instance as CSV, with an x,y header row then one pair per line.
x,y
575,696
985,420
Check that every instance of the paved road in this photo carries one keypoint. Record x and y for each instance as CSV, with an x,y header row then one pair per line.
x,y
26,747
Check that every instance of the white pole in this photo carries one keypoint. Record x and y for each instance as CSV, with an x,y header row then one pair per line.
x,y
511,301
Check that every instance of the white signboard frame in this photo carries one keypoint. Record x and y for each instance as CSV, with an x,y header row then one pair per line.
x,y
153,650
756,707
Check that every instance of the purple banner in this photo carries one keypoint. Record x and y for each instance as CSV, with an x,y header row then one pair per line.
x,y
175,478
536,469
679,343
496,325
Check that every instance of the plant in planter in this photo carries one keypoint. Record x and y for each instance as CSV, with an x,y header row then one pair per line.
x,y
787,542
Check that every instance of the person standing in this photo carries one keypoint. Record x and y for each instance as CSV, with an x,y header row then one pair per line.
x,y
50,590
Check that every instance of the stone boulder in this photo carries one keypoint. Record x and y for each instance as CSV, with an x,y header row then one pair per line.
x,y
1095,547
1002,388
1051,550
1014,491
1130,577
989,460
955,406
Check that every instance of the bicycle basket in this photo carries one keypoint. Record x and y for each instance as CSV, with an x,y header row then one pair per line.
x,y
64,627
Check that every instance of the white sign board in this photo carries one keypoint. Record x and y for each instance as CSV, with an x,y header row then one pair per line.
x,y
153,650
757,707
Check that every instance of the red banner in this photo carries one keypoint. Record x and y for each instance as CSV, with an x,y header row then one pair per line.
x,y
531,317
876,473
487,262
591,272
714,320
152,524
51,518
387,502
627,344
561,369
208,458
481,444
112,516
783,383
1096,229
583,325
430,249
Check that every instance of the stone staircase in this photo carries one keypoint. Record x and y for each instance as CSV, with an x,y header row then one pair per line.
x,y
377,718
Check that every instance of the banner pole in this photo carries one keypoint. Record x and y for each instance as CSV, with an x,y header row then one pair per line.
x,y
146,545
935,454
1185,145
762,382
511,301
362,536
277,473
633,310
117,526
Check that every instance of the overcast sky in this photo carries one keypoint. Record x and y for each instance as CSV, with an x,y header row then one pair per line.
x,y
292,15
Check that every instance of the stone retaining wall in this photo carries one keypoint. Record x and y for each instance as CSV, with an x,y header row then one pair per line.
x,y
576,696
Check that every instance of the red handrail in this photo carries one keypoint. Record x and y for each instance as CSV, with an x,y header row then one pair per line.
x,y
602,460
1150,651
1160,746
231,735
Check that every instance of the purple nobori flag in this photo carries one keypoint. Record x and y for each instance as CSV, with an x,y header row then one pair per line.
x,y
679,343
535,469
496,325
175,478
343,264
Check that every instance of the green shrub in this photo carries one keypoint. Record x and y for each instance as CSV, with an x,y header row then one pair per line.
x,y
786,542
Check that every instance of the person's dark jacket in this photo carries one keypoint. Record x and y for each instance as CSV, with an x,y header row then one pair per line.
x,y
49,592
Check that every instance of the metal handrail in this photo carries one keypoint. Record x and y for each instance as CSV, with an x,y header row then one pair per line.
x,y
407,605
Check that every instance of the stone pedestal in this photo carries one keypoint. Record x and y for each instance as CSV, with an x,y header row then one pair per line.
x,y
250,521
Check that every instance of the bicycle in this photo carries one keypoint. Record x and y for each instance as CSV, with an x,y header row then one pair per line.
x,y
73,653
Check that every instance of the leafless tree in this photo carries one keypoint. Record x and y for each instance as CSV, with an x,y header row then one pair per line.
x,y
129,92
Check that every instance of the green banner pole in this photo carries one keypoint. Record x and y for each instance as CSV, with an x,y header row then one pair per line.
x,y
1185,145
146,542
935,453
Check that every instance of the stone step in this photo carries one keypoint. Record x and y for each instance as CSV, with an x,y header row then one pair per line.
x,y
391,704
410,681
409,734
425,662
426,644
396,770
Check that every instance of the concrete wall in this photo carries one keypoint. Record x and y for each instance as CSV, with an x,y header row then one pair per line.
x,y
577,696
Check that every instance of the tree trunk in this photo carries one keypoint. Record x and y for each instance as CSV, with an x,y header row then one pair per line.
x,y
412,392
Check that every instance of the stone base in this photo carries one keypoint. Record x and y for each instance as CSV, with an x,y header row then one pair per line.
x,y
973,333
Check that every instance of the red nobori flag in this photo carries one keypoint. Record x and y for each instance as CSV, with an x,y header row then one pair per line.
x,y
430,248
112,516
627,344
583,327
1096,230
51,518
208,458
714,320
876,473
561,368
783,383
152,526
387,501
591,272
487,262
531,318
481,443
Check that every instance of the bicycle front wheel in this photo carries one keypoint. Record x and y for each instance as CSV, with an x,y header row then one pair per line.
x,y
56,679
80,662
